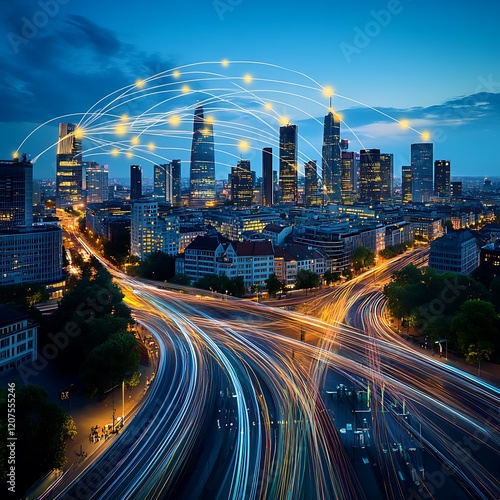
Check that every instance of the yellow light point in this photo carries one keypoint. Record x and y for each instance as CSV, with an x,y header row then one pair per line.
x,y
225,63
284,120
139,83
328,91
124,117
425,136
151,146
120,129
209,120
135,140
404,124
205,132
15,155
185,89
176,73
338,116
174,120
79,133
243,146
248,79
115,152
268,106
129,154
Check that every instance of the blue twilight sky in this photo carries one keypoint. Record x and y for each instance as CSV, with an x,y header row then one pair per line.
x,y
434,66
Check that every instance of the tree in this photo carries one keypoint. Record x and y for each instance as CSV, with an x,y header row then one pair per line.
x,y
477,352
273,285
181,279
330,277
236,286
156,266
110,363
42,429
306,279
363,257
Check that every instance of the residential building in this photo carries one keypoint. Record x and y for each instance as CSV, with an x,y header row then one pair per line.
x,y
490,259
277,234
455,252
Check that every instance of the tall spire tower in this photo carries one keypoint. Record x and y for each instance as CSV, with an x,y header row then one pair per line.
x,y
202,168
331,158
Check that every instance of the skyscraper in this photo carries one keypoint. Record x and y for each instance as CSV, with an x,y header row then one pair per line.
x,y
97,182
421,171
267,177
288,164
202,167
241,184
331,161
135,182
370,180
406,184
16,193
69,174
162,186
175,173
349,171
311,184
442,178
386,176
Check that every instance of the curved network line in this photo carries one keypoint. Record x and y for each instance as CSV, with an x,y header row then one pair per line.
x,y
247,111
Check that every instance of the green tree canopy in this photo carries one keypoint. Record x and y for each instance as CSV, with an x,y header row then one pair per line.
x,y
273,285
157,266
363,257
306,279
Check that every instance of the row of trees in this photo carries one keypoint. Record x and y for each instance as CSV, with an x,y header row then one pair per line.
x,y
101,351
448,306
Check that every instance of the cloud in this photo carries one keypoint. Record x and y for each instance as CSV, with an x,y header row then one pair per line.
x,y
63,66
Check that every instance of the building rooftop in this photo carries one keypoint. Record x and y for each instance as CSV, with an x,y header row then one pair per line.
x,y
249,248
9,315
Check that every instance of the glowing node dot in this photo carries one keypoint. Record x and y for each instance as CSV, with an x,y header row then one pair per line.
x,y
268,106
328,91
79,133
404,124
174,120
209,120
225,63
243,146
135,141
248,78
120,129
15,155
129,154
425,136
124,117
115,152
139,83
185,89
338,116
176,73
284,120
151,146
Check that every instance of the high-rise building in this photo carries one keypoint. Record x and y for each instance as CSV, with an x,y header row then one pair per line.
x,y
175,173
456,189
162,187
312,196
202,167
267,177
69,170
406,184
421,171
241,184
442,178
16,193
386,175
135,182
331,159
288,164
370,180
349,171
144,227
97,182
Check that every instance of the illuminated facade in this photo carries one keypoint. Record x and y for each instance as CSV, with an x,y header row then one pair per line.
x,y
202,166
135,182
349,176
69,169
370,180
422,171
331,159
288,164
442,178
455,252
312,197
386,176
241,184
406,184
97,182
16,193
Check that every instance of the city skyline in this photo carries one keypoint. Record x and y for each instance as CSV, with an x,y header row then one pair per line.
x,y
367,39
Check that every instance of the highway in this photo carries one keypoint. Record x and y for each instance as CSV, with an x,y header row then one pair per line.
x,y
241,407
